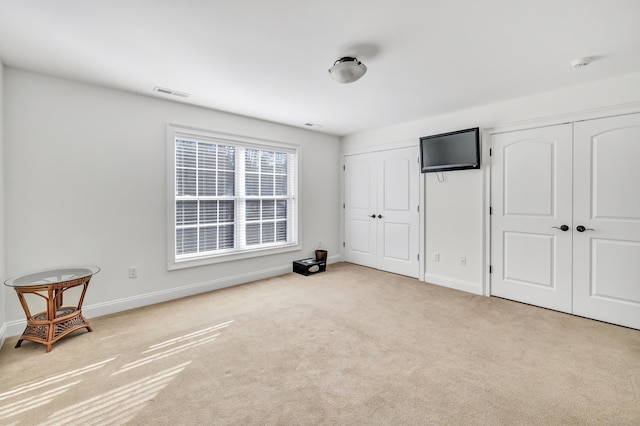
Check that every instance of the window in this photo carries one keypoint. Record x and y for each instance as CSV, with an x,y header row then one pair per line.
x,y
231,197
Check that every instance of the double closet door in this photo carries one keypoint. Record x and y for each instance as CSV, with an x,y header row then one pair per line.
x,y
381,210
565,222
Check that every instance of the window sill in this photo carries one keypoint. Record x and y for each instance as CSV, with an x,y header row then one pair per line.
x,y
209,260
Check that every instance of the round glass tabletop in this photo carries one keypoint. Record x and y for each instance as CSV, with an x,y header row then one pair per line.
x,y
52,276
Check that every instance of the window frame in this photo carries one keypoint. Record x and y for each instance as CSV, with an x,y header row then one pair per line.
x,y
174,132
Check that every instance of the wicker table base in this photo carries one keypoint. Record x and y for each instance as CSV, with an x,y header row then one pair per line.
x,y
44,331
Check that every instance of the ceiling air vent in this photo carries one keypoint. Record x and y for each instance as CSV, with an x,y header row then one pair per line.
x,y
171,92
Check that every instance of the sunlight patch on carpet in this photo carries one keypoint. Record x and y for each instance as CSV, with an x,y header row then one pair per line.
x,y
187,337
27,403
30,403
119,405
53,379
177,349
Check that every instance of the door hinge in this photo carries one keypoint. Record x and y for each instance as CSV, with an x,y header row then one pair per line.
x,y
490,210
418,209
344,167
343,244
344,206
490,152
490,269
418,256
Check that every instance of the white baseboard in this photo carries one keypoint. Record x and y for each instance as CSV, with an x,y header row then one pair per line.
x,y
468,286
106,308
3,334
15,328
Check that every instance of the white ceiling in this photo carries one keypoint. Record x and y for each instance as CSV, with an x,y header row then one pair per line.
x,y
269,58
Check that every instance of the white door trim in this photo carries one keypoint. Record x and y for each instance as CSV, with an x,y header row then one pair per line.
x,y
388,146
610,111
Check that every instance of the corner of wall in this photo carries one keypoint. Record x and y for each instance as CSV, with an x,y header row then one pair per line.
x,y
3,326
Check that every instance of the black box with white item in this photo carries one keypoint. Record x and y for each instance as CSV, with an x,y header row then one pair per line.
x,y
309,266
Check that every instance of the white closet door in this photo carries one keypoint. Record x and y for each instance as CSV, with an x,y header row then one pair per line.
x,y
607,204
361,209
398,205
381,210
531,203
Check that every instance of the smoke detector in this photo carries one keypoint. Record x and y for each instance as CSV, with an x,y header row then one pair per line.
x,y
581,62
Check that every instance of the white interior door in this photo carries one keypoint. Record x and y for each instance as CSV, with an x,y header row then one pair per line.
x,y
531,221
398,212
606,261
361,209
381,210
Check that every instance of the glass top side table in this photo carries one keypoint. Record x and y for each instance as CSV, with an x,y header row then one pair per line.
x,y
58,320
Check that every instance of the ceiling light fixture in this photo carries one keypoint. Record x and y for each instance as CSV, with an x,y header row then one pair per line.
x,y
347,70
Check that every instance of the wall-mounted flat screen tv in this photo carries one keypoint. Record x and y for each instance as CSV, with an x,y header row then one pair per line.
x,y
458,150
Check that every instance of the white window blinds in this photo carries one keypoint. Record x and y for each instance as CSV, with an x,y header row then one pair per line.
x,y
232,196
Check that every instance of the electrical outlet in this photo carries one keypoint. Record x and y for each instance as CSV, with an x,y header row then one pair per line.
x,y
463,261
133,272
436,257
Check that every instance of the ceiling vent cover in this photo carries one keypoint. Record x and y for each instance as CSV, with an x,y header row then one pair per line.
x,y
165,91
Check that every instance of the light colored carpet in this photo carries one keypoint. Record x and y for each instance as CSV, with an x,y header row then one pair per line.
x,y
350,346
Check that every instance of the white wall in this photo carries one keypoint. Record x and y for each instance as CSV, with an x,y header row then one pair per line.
x,y
86,184
454,208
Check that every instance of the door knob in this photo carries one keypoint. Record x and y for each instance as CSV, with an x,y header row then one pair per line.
x,y
581,228
373,216
379,216
564,228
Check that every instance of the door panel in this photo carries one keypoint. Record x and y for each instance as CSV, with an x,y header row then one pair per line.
x,y
361,178
530,189
531,200
529,259
361,236
397,241
606,255
615,271
397,173
615,172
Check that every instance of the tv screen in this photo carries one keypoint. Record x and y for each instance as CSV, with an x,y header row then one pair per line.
x,y
450,151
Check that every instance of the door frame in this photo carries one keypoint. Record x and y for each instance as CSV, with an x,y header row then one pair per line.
x,y
487,136
408,143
